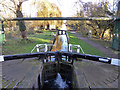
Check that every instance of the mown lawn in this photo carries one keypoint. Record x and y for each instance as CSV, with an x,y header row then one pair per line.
x,y
18,46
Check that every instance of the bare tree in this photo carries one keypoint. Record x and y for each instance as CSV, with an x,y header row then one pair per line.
x,y
16,9
101,9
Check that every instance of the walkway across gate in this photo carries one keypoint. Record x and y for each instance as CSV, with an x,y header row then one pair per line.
x,y
70,65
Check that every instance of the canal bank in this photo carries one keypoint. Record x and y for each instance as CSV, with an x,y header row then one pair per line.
x,y
20,73
91,74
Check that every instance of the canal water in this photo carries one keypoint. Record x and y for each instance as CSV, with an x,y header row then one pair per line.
x,y
57,83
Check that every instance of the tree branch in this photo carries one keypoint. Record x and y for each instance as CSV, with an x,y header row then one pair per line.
x,y
8,7
14,3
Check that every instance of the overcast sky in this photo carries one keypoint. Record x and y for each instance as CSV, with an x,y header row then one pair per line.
x,y
66,6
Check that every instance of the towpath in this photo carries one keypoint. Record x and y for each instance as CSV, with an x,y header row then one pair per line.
x,y
107,51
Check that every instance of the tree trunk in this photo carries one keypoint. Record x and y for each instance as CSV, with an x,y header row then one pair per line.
x,y
96,33
23,34
110,35
22,26
99,34
119,41
103,33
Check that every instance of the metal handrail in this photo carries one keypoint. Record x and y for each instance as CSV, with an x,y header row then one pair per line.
x,y
79,48
63,18
39,45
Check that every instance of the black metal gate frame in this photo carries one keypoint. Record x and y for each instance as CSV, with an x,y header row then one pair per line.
x,y
58,54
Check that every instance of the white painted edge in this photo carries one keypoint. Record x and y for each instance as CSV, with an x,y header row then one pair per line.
x,y
101,59
1,58
115,61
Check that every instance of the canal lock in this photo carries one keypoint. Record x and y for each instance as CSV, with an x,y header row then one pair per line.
x,y
58,74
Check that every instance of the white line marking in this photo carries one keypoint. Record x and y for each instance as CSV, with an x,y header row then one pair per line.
x,y
115,61
1,58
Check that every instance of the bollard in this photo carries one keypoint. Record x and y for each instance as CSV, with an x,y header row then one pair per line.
x,y
45,47
78,49
37,46
70,47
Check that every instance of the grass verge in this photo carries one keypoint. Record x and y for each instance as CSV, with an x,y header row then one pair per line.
x,y
88,49
18,46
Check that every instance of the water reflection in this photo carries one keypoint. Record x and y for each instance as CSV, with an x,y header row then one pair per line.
x,y
58,83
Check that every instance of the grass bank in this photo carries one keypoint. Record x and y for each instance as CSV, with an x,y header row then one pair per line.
x,y
18,46
88,49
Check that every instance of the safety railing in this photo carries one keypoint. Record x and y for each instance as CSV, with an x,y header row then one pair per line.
x,y
44,47
47,47
78,47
